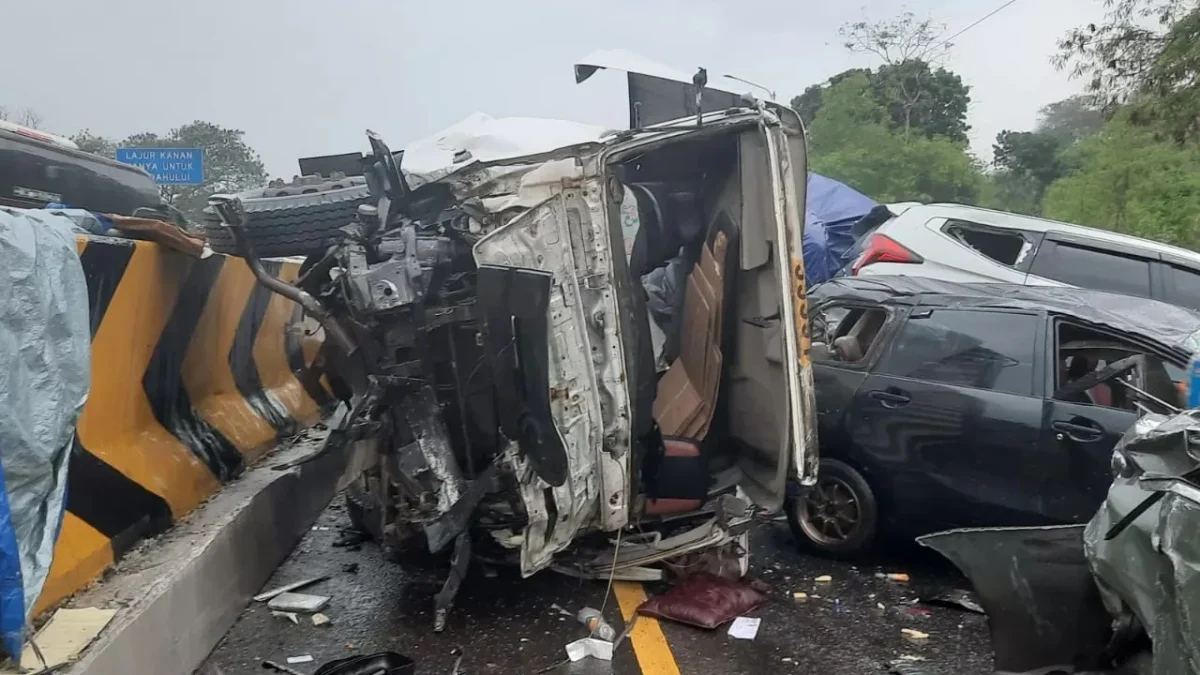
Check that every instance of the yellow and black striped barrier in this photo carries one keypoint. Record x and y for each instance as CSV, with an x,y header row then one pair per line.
x,y
196,372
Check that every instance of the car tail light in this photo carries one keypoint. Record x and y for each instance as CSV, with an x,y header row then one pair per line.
x,y
882,248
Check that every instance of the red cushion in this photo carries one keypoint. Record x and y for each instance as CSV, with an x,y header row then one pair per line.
x,y
704,600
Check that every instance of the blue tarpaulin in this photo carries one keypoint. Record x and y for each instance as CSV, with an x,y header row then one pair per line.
x,y
44,377
832,209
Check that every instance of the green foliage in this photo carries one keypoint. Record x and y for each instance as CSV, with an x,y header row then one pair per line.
x,y
1131,180
851,140
1070,119
930,102
1144,56
916,98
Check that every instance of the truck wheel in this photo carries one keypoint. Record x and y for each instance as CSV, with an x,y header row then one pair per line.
x,y
291,224
363,516
839,515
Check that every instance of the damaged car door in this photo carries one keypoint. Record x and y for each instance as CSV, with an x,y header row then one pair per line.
x,y
551,335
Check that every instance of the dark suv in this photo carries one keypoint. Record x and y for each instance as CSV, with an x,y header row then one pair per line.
x,y
945,405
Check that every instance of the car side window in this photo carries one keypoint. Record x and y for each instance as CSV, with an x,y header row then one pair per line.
x,y
1007,247
1183,287
845,334
1079,351
1092,268
981,349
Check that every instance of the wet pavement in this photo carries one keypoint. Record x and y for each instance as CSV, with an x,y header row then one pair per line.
x,y
504,624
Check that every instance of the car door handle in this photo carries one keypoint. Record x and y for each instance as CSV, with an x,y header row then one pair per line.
x,y
890,399
1083,433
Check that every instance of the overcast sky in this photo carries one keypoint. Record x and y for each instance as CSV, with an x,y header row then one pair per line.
x,y
306,77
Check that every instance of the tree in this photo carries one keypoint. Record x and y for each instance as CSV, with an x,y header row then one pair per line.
x,y
1029,155
808,103
26,117
229,164
852,141
97,145
917,97
1144,55
1130,180
932,102
1070,119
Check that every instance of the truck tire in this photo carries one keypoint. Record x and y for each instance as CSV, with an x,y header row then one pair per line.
x,y
290,225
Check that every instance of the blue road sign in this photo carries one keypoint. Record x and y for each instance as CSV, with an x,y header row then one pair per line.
x,y
169,166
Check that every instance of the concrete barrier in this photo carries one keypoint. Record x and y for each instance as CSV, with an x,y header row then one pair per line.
x,y
196,372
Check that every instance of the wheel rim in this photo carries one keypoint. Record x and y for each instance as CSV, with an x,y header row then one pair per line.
x,y
830,514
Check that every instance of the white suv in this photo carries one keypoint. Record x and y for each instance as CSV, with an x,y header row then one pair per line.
x,y
966,243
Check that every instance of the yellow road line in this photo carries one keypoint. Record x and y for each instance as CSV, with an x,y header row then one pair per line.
x,y
649,644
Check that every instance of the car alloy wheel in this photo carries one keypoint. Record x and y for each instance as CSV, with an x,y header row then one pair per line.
x,y
830,514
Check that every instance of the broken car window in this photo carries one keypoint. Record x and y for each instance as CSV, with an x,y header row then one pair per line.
x,y
846,334
1080,351
1006,247
985,350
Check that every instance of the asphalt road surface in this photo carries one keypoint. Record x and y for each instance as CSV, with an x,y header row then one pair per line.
x,y
504,624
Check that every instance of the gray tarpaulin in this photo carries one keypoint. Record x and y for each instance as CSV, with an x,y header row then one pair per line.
x,y
44,377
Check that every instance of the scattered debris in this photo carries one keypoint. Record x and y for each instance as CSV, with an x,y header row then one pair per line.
x,y
290,616
909,657
279,668
823,579
590,647
263,597
899,577
319,620
298,602
596,625
744,628
958,599
799,596
351,539
382,663
704,600
905,668
303,658
64,637
556,608
881,606
914,634
786,659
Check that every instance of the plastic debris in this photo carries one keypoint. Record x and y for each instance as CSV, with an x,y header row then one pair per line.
x,y
319,619
910,657
290,616
744,628
304,658
880,605
279,668
590,647
263,597
899,577
595,623
914,634
799,596
298,602
823,579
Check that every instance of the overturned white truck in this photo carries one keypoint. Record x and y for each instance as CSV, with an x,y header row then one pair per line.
x,y
488,337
